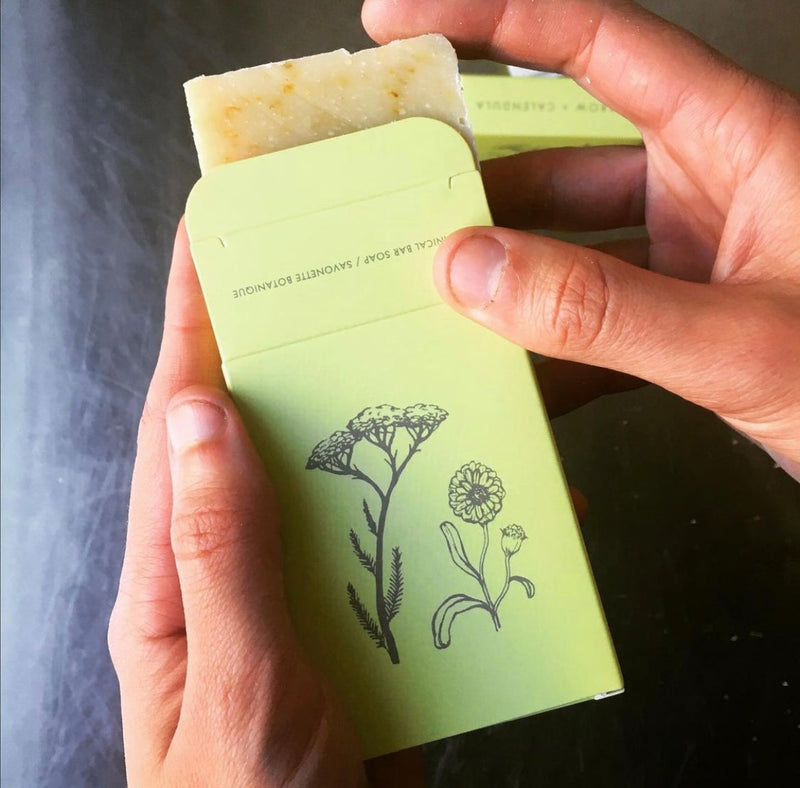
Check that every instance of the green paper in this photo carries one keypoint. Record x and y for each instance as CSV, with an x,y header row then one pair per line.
x,y
515,114
315,263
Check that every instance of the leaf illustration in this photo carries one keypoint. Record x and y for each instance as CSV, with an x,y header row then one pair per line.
x,y
446,613
373,529
457,551
364,558
529,587
368,623
395,594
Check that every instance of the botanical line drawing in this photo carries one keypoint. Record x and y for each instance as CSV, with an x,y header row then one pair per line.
x,y
392,435
476,496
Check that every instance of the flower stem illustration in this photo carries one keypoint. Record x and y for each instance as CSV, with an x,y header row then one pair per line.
x,y
393,435
476,496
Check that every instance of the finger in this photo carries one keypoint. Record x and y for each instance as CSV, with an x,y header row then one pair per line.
x,y
188,351
247,677
567,385
568,188
636,63
225,539
718,346
188,355
147,623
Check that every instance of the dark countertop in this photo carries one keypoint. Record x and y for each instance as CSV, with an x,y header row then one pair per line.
x,y
693,534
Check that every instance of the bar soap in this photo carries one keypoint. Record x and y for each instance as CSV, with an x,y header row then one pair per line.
x,y
266,108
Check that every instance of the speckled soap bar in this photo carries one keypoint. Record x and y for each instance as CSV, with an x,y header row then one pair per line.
x,y
266,108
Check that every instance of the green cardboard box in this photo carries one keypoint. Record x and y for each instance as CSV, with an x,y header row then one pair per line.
x,y
515,114
434,568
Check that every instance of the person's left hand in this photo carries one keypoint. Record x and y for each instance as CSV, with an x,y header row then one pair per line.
x,y
215,688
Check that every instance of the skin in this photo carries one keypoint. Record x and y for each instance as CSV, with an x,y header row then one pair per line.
x,y
712,310
215,688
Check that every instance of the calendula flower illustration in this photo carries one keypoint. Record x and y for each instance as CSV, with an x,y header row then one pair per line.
x,y
421,420
476,496
377,424
476,493
512,538
334,453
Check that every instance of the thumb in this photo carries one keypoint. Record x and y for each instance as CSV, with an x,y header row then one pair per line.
x,y
224,533
703,342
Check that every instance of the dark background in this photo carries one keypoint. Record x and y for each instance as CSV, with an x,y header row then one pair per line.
x,y
693,534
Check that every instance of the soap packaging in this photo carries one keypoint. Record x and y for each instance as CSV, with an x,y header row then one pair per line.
x,y
434,568
511,114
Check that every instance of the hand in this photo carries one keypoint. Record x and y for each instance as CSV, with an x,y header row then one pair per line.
x,y
713,313
215,688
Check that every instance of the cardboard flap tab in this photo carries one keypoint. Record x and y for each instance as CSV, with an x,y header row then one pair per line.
x,y
339,233
321,175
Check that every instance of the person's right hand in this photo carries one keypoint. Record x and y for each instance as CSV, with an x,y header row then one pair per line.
x,y
716,318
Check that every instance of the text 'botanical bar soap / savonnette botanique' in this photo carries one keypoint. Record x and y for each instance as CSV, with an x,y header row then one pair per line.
x,y
434,570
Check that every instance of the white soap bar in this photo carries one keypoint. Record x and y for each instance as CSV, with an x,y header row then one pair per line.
x,y
266,108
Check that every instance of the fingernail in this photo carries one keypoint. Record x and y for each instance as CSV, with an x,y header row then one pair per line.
x,y
476,268
193,422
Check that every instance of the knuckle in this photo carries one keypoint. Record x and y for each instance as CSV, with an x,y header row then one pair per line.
x,y
581,55
201,531
578,305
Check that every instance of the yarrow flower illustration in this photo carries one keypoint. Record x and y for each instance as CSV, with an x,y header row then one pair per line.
x,y
512,538
396,435
476,493
377,424
334,453
421,420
